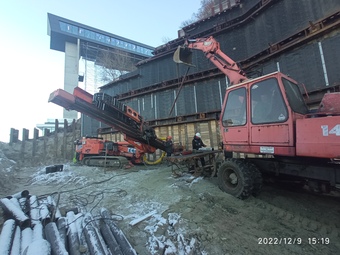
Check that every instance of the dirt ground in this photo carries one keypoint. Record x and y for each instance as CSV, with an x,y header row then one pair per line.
x,y
189,215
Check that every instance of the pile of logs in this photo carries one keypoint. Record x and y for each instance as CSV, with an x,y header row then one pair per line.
x,y
36,226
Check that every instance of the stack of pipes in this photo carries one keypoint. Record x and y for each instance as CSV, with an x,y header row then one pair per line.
x,y
36,226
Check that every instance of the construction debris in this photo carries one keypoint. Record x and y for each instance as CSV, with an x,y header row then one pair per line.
x,y
136,221
36,226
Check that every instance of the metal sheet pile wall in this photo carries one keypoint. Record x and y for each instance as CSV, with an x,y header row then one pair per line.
x,y
89,126
273,24
331,52
313,64
202,26
205,96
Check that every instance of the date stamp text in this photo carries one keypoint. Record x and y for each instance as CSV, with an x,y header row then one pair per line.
x,y
292,240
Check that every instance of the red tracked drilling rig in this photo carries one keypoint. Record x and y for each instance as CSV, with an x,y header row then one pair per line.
x,y
266,120
96,151
123,118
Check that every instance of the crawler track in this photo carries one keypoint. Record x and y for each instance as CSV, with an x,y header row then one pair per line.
x,y
105,161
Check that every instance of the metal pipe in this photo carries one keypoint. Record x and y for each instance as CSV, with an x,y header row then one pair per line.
x,y
44,214
26,238
15,250
38,232
14,212
38,247
24,193
61,225
72,235
124,244
322,56
83,248
34,210
100,237
92,239
52,235
6,237
109,238
15,201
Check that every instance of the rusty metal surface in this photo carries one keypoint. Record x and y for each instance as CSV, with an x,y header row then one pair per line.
x,y
330,103
187,157
191,160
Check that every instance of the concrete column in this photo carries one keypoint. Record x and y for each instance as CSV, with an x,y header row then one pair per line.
x,y
71,73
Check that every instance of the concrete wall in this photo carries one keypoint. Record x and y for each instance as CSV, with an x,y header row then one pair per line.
x,y
71,73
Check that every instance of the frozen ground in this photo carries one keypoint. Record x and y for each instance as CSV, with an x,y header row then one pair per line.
x,y
187,215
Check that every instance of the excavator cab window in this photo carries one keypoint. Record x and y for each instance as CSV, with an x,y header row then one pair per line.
x,y
294,96
267,103
235,111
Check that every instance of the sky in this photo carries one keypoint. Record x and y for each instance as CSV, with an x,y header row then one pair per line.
x,y
31,71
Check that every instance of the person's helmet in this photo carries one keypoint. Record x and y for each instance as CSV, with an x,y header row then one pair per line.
x,y
198,135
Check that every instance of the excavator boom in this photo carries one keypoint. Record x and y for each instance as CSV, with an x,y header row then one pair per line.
x,y
211,48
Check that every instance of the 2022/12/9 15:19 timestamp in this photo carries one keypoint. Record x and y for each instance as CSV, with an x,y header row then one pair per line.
x,y
293,240
320,240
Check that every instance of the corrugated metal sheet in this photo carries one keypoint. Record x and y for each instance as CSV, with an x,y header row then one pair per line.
x,y
89,126
282,19
208,95
276,23
331,53
186,101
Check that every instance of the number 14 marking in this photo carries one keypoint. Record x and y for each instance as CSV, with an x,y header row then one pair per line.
x,y
334,131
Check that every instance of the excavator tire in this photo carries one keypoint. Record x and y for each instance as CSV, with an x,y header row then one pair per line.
x,y
257,179
235,178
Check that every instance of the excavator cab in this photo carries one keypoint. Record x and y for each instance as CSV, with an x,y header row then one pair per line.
x,y
183,55
257,116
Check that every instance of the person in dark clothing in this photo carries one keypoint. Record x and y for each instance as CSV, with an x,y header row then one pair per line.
x,y
169,146
198,143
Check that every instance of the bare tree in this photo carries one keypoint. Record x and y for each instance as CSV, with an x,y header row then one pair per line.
x,y
187,22
114,63
203,12
166,39
206,9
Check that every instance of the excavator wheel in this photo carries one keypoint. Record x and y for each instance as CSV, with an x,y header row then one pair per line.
x,y
235,178
257,179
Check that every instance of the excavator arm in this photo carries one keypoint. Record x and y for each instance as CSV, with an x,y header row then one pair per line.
x,y
211,48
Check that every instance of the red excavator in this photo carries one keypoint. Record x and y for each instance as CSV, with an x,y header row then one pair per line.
x,y
268,129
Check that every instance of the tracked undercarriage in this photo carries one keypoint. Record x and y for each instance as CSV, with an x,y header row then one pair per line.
x,y
105,161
